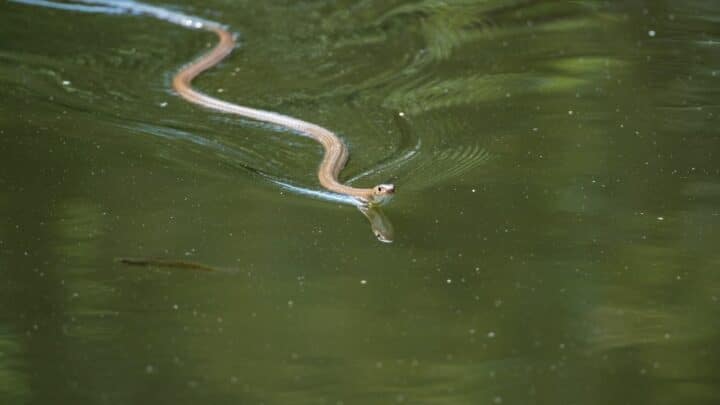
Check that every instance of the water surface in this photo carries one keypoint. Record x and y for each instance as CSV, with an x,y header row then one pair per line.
x,y
556,225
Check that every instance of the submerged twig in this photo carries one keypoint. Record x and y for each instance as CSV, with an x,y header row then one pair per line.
x,y
175,264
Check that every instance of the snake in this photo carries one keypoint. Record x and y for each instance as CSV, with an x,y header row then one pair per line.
x,y
336,153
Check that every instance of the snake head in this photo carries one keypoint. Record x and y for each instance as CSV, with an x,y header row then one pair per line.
x,y
381,194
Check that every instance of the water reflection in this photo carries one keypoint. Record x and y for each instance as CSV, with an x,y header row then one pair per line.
x,y
379,223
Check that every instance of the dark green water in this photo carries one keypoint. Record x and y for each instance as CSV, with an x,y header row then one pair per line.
x,y
556,224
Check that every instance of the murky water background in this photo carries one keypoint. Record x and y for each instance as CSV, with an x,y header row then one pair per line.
x,y
556,223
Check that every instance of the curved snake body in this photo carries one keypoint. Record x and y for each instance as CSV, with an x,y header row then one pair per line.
x,y
336,153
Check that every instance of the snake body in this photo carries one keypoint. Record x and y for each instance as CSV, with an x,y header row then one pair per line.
x,y
336,153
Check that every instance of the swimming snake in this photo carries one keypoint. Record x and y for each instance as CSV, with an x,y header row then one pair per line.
x,y
336,152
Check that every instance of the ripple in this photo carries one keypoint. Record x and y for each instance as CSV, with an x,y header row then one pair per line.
x,y
480,88
419,166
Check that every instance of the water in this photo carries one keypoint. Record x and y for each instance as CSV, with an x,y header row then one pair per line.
x,y
556,224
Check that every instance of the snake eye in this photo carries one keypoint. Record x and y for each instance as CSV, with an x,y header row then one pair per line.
x,y
379,188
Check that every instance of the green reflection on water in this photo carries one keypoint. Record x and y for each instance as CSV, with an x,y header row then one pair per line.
x,y
555,225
